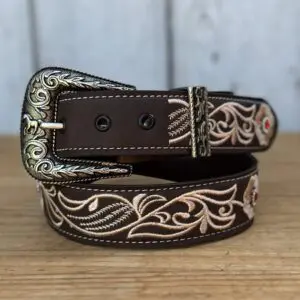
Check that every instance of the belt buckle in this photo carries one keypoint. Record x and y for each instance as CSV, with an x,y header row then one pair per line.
x,y
38,125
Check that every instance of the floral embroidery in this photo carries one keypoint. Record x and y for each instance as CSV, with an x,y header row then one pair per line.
x,y
264,124
237,126
230,122
148,215
250,196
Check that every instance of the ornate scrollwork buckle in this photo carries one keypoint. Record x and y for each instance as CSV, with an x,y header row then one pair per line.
x,y
38,126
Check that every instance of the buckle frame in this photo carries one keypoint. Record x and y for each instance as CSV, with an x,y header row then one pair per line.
x,y
38,126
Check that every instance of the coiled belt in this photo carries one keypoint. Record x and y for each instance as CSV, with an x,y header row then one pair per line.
x,y
81,135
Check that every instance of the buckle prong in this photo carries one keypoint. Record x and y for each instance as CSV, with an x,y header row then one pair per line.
x,y
52,125
31,126
39,115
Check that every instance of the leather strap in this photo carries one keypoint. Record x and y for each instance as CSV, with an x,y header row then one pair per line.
x,y
236,124
203,200
192,146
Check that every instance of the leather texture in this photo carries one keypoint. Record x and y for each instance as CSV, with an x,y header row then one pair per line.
x,y
236,123
208,199
202,199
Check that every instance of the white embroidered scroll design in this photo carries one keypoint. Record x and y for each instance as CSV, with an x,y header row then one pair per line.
x,y
237,124
145,215
179,127
231,122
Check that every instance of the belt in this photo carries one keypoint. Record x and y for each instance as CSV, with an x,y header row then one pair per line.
x,y
81,135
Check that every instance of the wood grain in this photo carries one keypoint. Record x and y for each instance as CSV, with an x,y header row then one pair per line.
x,y
262,263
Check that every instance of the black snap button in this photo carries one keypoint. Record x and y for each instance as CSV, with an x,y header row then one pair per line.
x,y
103,123
146,121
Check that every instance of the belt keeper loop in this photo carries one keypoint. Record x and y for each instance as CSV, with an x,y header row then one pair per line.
x,y
199,121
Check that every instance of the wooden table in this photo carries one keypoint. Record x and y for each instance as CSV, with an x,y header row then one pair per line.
x,y
262,263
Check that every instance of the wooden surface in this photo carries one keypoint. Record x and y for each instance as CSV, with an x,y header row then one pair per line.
x,y
262,263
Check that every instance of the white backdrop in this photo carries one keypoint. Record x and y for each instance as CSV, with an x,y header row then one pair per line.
x,y
251,47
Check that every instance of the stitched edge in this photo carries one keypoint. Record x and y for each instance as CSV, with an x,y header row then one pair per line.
x,y
157,96
121,148
237,148
121,96
252,101
116,148
154,241
145,147
162,189
53,142
152,148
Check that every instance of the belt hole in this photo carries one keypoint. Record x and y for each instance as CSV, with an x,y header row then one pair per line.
x,y
146,121
103,123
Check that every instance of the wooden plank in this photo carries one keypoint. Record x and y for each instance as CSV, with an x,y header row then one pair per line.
x,y
262,263
249,47
120,40
15,62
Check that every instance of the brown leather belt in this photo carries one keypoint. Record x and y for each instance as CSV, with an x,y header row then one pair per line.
x,y
194,145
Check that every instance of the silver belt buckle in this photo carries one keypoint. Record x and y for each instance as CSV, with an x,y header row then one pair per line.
x,y
38,126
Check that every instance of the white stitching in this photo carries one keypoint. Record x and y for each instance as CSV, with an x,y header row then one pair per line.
x,y
121,148
121,96
117,148
144,147
252,101
152,148
162,189
158,96
154,241
77,160
237,147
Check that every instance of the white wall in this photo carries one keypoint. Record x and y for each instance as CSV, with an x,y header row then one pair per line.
x,y
250,46
15,62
